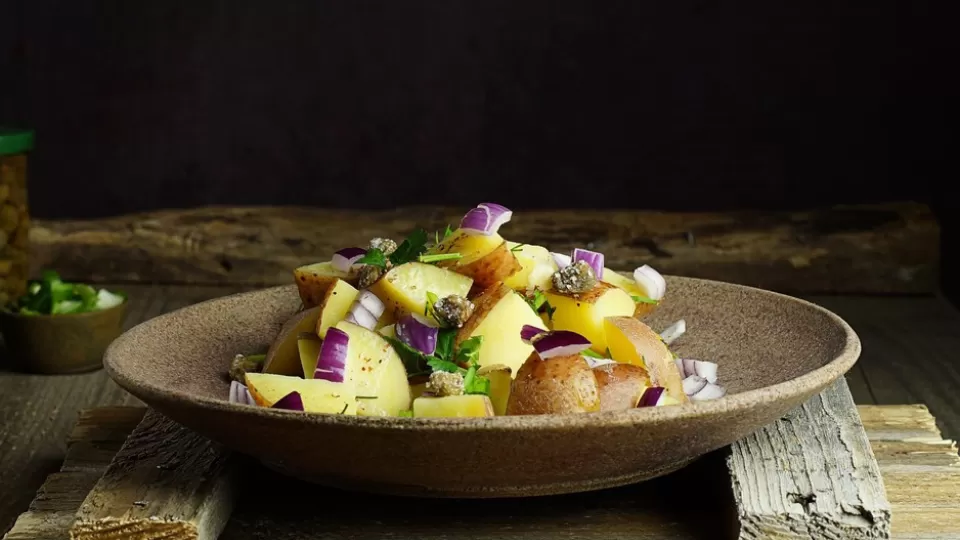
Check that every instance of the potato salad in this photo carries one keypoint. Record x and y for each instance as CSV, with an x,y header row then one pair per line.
x,y
465,323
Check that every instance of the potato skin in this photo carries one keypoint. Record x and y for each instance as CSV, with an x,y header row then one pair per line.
x,y
621,385
559,385
656,356
495,266
283,356
314,280
482,305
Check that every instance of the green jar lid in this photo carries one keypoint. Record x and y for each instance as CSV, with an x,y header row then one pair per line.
x,y
15,141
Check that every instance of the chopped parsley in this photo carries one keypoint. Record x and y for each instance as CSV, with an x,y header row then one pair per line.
x,y
50,295
642,299
469,350
538,302
592,354
366,397
517,248
432,300
410,250
436,364
374,257
440,257
447,357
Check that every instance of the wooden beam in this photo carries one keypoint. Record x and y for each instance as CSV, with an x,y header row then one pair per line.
x,y
862,249
810,475
95,440
166,482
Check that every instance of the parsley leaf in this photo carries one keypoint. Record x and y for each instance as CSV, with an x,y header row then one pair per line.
x,y
373,257
411,248
447,232
642,299
414,361
469,351
517,248
443,365
432,300
445,339
538,303
475,384
549,310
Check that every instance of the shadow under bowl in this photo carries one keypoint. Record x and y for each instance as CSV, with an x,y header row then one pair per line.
x,y
60,344
774,353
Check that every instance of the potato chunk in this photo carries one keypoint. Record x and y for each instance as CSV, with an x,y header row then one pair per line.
x,y
404,288
318,395
621,385
336,303
628,284
584,313
634,342
501,378
499,315
485,259
536,267
558,385
377,372
313,280
462,406
283,356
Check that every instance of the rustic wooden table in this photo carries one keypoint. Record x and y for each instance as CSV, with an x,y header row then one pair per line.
x,y
909,340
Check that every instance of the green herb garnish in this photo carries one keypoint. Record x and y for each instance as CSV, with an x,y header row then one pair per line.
x,y
373,257
549,310
445,339
469,350
414,362
366,397
432,300
50,295
411,248
475,384
538,303
443,365
517,248
592,354
439,257
642,299
405,413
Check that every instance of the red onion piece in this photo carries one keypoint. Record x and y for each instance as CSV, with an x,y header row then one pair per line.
x,y
372,302
360,316
650,281
593,258
708,392
476,221
560,343
332,361
291,401
499,215
418,333
344,259
674,331
707,370
240,394
528,332
652,397
693,384
562,260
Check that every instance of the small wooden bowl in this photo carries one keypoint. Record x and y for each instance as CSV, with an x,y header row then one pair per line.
x,y
60,344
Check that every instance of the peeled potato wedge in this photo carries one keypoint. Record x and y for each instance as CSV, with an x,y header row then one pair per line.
x,y
318,395
621,385
643,308
558,385
313,280
404,288
501,378
335,305
464,406
485,259
283,356
499,315
634,342
536,267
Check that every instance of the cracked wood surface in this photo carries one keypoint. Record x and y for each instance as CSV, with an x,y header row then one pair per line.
x,y
891,248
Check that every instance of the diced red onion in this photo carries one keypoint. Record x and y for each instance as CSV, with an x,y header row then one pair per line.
x,y
594,362
291,401
240,394
593,258
560,343
700,368
332,361
485,219
650,281
344,259
372,302
708,392
652,397
360,316
693,384
528,332
674,331
417,332
562,260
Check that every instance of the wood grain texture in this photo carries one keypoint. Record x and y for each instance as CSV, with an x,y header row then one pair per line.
x,y
165,482
810,475
94,441
37,412
888,248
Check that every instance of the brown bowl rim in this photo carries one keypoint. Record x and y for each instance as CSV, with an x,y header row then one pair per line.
x,y
749,399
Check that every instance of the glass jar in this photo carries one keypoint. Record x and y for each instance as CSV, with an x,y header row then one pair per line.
x,y
15,144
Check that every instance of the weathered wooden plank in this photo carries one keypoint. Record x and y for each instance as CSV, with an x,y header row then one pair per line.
x,y
810,475
886,248
95,440
165,482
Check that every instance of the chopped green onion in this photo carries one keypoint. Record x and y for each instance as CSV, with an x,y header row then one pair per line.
x,y
440,257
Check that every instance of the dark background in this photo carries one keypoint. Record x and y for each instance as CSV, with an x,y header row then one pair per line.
x,y
685,105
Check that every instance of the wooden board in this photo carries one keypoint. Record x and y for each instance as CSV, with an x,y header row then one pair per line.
x,y
918,467
812,474
165,482
863,249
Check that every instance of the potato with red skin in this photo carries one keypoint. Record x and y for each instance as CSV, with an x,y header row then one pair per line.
x,y
558,385
283,356
485,259
634,342
621,385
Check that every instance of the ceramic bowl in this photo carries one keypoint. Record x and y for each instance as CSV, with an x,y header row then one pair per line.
x,y
774,352
60,344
